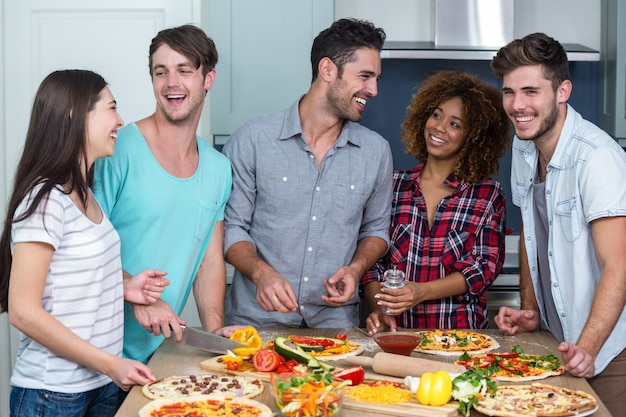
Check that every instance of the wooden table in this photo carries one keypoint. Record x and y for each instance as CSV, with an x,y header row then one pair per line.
x,y
177,359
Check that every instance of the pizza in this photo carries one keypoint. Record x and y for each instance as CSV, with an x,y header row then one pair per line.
x,y
214,405
177,386
514,366
455,342
324,348
536,400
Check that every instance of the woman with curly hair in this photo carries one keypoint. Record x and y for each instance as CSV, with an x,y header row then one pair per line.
x,y
448,215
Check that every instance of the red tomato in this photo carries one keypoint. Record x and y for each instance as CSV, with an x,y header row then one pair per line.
x,y
354,374
504,355
286,367
341,336
513,365
312,341
232,366
265,360
479,362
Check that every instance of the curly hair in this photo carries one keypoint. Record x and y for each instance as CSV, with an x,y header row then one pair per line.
x,y
488,133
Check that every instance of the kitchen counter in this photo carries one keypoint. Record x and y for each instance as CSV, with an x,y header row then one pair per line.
x,y
177,359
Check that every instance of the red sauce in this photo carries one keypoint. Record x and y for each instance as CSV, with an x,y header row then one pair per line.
x,y
400,344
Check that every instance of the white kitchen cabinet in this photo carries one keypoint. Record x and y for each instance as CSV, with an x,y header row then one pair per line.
x,y
264,56
613,69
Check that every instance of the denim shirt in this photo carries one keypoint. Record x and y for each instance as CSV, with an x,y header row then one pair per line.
x,y
585,181
304,222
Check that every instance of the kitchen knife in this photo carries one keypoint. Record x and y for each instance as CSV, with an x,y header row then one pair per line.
x,y
210,342
402,366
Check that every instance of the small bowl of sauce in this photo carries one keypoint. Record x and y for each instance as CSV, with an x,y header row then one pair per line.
x,y
400,343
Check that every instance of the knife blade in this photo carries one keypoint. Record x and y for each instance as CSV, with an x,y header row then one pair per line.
x,y
209,342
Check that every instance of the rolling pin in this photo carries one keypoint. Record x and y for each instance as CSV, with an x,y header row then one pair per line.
x,y
402,366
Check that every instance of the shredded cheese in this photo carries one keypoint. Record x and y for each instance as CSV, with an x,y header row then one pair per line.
x,y
380,394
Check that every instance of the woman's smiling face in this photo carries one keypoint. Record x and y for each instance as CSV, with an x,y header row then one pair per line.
x,y
445,129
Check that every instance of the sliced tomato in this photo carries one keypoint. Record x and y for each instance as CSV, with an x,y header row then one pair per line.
x,y
513,365
483,362
232,366
504,355
286,367
312,341
354,374
341,336
266,360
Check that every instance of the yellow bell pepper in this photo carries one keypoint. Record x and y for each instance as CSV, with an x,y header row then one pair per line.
x,y
244,351
434,388
248,336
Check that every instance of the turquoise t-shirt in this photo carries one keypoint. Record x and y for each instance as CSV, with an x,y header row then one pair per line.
x,y
164,222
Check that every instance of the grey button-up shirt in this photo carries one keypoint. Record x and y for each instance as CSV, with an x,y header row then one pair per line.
x,y
305,223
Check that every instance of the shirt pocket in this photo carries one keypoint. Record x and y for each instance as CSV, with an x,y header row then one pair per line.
x,y
348,204
207,213
568,217
282,195
458,245
402,236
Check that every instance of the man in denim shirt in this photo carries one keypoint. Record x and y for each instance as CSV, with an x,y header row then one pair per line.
x,y
310,207
567,177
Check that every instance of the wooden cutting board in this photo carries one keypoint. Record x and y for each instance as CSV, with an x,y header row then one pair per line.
x,y
214,365
411,408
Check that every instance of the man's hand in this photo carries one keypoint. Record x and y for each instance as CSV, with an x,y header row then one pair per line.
x,y
227,331
377,322
577,360
511,321
341,286
145,287
274,293
159,318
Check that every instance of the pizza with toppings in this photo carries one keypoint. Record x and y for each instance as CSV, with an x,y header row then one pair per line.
x,y
214,405
515,365
177,386
322,348
455,342
536,400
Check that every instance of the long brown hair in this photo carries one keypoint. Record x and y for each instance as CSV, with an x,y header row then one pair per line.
x,y
54,151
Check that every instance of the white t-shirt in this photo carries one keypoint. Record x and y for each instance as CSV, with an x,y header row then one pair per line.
x,y
84,291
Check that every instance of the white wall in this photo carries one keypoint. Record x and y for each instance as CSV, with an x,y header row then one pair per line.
x,y
568,21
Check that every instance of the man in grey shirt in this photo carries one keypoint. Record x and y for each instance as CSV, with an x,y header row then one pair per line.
x,y
310,208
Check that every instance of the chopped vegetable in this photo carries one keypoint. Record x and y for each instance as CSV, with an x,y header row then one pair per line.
x,y
471,385
248,336
315,395
265,360
354,374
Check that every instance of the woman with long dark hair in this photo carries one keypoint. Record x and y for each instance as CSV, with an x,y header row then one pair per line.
x,y
60,271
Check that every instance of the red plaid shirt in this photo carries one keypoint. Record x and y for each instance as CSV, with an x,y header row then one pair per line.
x,y
467,236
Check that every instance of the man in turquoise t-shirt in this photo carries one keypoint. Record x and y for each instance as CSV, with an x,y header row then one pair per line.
x,y
165,190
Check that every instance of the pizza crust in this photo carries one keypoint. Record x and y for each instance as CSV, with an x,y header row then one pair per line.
x,y
184,386
493,344
515,378
152,408
509,401
537,367
355,349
